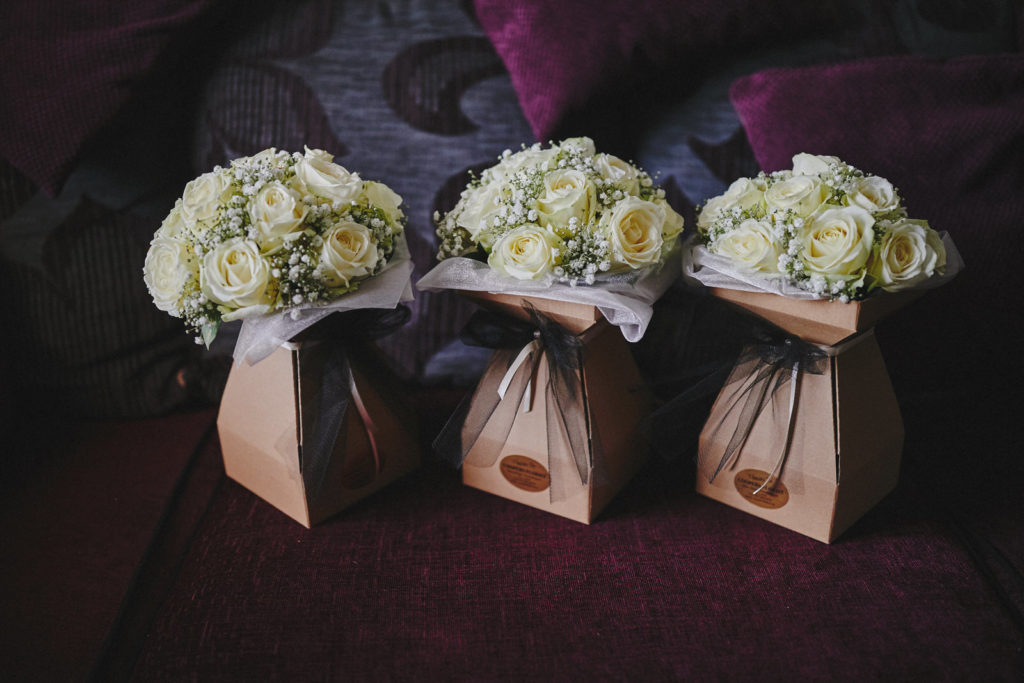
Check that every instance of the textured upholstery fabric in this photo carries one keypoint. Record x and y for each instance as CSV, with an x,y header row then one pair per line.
x,y
76,525
431,580
67,69
134,557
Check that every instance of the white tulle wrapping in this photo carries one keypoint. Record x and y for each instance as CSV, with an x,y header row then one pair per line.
x,y
713,270
626,301
260,336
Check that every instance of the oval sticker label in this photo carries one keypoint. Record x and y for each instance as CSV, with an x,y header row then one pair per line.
x,y
773,496
525,473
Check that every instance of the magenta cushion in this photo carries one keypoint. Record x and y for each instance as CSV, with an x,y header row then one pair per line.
x,y
948,134
561,54
66,69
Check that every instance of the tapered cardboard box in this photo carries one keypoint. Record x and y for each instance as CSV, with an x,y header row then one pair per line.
x,y
269,433
846,431
529,467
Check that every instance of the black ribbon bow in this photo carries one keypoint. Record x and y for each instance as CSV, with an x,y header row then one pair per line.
x,y
763,368
566,412
341,339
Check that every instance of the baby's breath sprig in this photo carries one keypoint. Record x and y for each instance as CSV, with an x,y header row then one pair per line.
x,y
584,257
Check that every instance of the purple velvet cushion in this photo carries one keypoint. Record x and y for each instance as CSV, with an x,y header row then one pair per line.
x,y
67,68
948,134
561,54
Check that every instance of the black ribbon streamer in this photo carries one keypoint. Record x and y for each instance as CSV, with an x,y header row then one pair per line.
x,y
762,369
566,400
342,338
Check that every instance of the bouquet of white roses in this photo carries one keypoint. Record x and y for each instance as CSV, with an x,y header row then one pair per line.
x,y
823,229
546,220
565,213
271,232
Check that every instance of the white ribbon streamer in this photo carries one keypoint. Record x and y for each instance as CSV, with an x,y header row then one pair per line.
x,y
524,353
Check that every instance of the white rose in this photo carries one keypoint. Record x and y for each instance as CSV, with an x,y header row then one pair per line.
x,y
615,170
750,246
169,266
583,145
527,253
276,212
634,229
743,193
174,224
533,157
270,157
673,221
235,275
838,242
384,198
324,178
318,154
567,194
910,253
349,252
479,206
813,164
801,194
203,197
874,194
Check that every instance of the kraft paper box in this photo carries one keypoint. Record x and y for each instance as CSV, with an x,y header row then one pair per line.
x,y
847,433
616,400
817,320
267,429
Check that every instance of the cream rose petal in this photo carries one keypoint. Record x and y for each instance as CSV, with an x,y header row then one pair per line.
x,y
527,253
750,246
838,242
349,252
235,275
634,230
800,194
169,266
910,253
